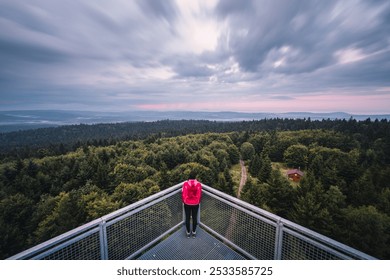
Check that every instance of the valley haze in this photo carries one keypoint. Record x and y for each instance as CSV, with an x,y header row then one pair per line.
x,y
32,119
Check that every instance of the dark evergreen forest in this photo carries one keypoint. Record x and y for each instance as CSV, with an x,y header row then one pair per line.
x,y
55,179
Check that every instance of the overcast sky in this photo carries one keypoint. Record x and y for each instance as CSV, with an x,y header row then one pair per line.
x,y
228,55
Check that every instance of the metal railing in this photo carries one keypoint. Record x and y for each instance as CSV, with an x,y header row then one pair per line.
x,y
259,234
122,234
255,233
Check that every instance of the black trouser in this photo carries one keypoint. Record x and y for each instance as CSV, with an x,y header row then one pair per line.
x,y
191,210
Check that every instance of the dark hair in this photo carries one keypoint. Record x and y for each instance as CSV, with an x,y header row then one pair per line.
x,y
192,175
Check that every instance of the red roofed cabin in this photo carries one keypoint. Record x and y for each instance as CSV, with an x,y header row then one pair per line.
x,y
295,175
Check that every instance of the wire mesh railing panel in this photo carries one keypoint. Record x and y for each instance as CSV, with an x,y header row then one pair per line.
x,y
248,232
128,235
295,248
87,248
253,232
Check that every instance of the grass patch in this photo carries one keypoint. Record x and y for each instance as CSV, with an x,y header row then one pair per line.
x,y
280,166
283,170
235,172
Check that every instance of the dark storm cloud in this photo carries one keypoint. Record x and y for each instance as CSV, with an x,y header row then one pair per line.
x,y
30,52
161,9
46,45
26,16
184,69
263,27
189,66
374,71
309,31
231,7
26,36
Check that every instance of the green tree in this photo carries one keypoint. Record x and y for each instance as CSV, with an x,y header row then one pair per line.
x,y
310,210
247,151
97,204
43,209
15,225
260,141
102,177
280,194
296,156
334,200
280,142
221,184
204,174
164,180
67,214
172,155
126,193
255,165
367,229
384,201
316,166
266,167
255,193
362,191
234,154
229,187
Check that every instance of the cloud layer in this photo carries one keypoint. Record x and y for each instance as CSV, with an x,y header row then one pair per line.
x,y
200,55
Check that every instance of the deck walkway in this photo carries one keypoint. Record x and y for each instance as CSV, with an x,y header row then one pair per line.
x,y
178,247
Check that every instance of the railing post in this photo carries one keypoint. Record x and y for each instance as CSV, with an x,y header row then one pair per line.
x,y
103,240
198,216
184,214
278,240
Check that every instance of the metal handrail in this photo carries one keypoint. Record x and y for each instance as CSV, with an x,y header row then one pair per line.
x,y
98,229
285,226
98,224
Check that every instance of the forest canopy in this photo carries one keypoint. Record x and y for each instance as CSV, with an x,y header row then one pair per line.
x,y
51,184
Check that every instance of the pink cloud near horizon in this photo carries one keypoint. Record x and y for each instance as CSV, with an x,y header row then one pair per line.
x,y
355,104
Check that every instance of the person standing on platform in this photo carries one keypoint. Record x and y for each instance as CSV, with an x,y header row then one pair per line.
x,y
191,196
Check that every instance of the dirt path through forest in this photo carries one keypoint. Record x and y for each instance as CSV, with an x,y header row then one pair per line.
x,y
243,178
233,217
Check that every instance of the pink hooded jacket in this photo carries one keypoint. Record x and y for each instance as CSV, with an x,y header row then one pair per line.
x,y
191,192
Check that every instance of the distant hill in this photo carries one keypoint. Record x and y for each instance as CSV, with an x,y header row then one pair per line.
x,y
31,119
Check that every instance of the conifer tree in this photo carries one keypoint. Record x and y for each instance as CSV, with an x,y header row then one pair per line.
x,y
280,194
255,166
229,182
266,168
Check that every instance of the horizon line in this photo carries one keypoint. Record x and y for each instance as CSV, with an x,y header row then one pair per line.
x,y
198,111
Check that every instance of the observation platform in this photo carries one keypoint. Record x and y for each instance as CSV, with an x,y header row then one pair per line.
x,y
153,228
178,247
